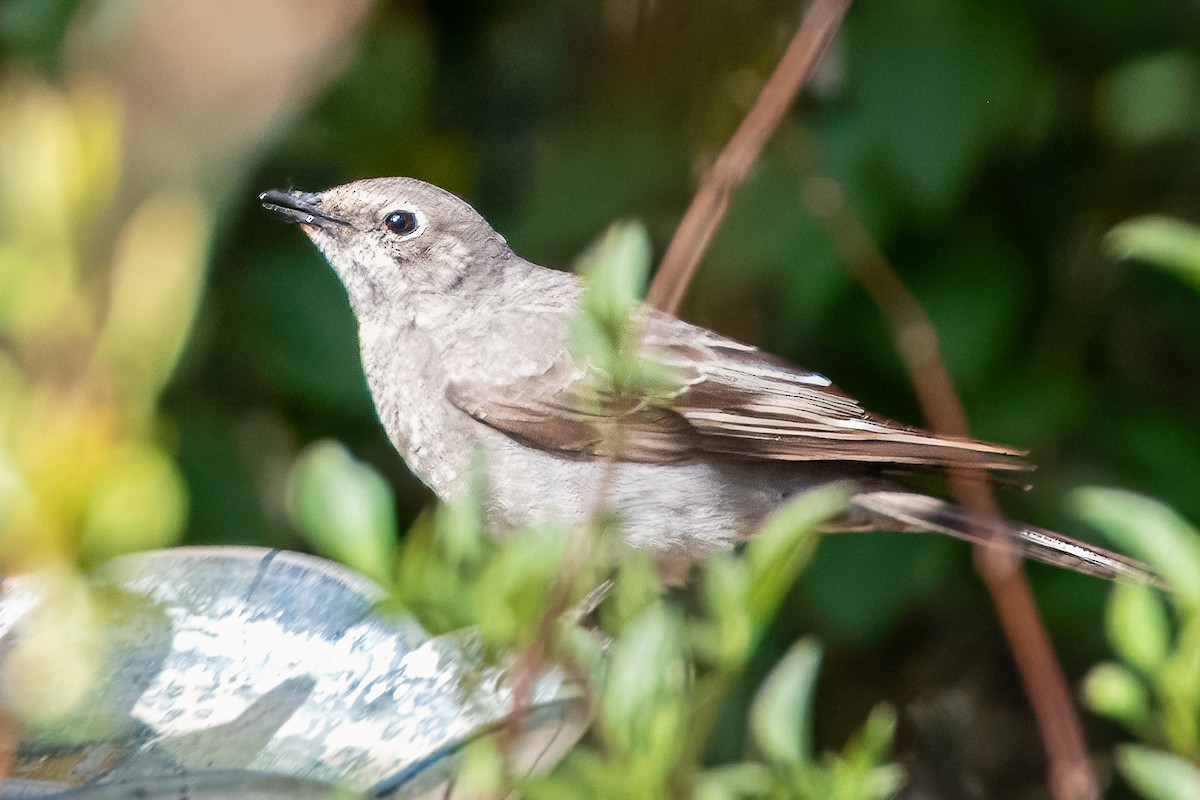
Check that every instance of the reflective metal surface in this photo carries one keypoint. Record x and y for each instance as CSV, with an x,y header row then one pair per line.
x,y
217,785
279,665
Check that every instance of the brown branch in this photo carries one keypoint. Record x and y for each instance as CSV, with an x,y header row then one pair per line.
x,y
1045,685
1062,736
729,171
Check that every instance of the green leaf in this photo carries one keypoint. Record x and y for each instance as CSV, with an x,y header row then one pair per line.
x,y
860,771
515,585
615,266
1138,626
1157,775
641,702
727,636
1149,530
733,781
429,584
482,773
873,742
606,333
781,715
1114,691
883,782
139,503
1178,690
344,507
784,545
158,273
1169,244
635,588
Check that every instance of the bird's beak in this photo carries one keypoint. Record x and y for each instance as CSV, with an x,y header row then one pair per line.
x,y
300,207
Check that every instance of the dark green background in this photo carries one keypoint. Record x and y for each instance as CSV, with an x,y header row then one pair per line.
x,y
989,147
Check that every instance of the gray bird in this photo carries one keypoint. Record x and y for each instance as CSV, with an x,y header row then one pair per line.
x,y
464,345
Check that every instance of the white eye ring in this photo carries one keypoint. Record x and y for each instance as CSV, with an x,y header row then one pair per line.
x,y
407,223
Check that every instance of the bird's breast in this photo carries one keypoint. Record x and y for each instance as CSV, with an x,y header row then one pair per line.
x,y
408,387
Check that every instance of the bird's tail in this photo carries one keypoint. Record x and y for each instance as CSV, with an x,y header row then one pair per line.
x,y
910,511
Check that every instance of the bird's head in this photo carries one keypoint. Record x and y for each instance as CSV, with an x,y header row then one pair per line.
x,y
390,238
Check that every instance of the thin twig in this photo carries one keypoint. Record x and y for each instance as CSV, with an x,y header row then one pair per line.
x,y
729,171
1058,721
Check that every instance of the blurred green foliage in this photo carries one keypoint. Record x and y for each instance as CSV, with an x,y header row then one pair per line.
x,y
345,508
1168,243
84,470
988,147
89,334
1154,690
605,334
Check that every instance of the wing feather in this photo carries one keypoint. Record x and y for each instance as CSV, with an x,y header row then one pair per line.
x,y
725,399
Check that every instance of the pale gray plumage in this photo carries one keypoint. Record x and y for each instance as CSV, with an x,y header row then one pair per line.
x,y
464,345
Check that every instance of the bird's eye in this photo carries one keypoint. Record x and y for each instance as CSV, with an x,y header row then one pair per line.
x,y
401,223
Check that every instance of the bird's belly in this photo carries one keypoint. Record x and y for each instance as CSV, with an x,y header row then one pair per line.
x,y
683,511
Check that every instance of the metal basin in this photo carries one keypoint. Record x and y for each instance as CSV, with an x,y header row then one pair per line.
x,y
225,662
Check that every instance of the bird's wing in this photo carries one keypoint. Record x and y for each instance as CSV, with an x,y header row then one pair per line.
x,y
716,396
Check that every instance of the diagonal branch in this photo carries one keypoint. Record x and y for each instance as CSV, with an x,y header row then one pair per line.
x,y
729,171
1045,685
1058,721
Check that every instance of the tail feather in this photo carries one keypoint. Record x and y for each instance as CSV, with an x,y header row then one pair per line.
x,y
917,512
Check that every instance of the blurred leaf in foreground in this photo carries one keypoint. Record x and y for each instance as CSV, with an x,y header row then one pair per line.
x,y
345,509
88,333
1117,693
671,665
1156,691
1138,626
1157,775
1170,244
606,333
51,669
158,272
781,716
781,719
